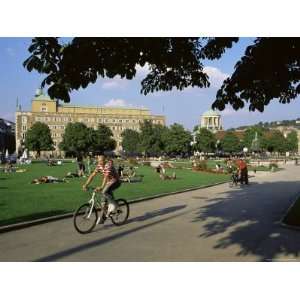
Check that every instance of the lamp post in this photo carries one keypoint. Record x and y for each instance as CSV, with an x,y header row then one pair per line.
x,y
245,150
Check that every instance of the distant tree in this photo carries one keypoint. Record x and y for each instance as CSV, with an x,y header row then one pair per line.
x,y
152,140
178,140
205,141
231,143
130,141
77,138
275,142
38,138
249,136
196,128
292,141
102,140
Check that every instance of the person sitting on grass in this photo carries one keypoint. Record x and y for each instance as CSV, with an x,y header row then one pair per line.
x,y
47,179
166,177
130,176
50,163
8,167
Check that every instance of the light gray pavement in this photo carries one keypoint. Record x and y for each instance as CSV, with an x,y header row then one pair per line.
x,y
212,224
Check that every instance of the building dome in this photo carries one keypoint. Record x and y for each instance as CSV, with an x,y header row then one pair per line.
x,y
211,113
38,92
39,95
211,120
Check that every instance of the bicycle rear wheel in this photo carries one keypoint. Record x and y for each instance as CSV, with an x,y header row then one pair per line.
x,y
84,219
120,216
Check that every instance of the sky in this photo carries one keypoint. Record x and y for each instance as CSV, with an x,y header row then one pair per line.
x,y
184,107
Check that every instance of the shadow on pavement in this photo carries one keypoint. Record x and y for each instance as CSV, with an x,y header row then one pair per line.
x,y
118,235
250,218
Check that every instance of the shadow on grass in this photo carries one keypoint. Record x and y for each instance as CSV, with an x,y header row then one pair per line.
x,y
102,241
31,217
249,217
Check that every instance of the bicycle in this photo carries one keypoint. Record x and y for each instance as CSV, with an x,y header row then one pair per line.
x,y
234,179
88,215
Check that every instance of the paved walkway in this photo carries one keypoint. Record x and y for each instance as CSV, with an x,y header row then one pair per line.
x,y
213,224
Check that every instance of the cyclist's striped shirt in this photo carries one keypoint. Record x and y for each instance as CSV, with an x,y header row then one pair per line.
x,y
109,171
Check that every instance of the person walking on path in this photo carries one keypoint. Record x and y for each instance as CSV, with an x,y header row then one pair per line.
x,y
243,171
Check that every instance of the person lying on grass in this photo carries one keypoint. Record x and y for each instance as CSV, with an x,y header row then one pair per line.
x,y
71,175
47,179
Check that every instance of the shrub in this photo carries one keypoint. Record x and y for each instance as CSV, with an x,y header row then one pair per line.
x,y
132,161
200,165
273,165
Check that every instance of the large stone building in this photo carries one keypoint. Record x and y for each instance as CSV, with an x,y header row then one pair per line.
x,y
57,116
7,140
211,120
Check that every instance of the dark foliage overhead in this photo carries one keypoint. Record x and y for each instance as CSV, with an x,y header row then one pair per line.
x,y
269,69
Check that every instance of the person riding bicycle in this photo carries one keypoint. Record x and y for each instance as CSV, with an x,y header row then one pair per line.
x,y
110,182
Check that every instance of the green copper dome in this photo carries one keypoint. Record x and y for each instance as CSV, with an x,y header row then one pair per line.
x,y
39,95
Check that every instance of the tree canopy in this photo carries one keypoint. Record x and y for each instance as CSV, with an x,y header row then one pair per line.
x,y
231,143
102,140
152,138
76,138
275,142
38,138
131,141
205,141
249,137
268,70
177,140
80,139
292,141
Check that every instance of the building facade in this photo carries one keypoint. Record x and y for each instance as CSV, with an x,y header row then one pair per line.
x,y
7,137
57,116
211,120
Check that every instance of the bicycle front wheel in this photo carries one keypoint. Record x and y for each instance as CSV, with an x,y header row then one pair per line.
x,y
85,218
120,216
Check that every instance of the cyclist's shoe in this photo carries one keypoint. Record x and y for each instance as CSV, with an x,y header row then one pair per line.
x,y
101,219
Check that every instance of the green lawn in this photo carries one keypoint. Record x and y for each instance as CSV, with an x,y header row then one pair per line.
x,y
22,201
293,215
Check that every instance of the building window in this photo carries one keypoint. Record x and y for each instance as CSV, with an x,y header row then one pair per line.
x,y
24,127
44,109
24,119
